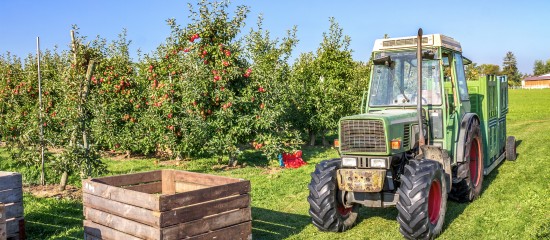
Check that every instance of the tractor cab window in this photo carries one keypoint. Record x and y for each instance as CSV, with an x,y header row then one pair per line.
x,y
394,80
461,78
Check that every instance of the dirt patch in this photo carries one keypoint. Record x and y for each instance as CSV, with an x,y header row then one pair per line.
x,y
272,170
122,156
221,167
52,191
171,163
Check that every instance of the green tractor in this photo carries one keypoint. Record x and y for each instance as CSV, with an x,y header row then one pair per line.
x,y
424,134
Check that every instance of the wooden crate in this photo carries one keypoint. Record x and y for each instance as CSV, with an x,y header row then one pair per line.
x,y
167,204
12,224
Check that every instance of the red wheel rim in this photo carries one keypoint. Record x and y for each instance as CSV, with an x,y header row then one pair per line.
x,y
434,201
475,160
343,211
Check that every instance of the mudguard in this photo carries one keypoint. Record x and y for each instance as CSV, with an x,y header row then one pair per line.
x,y
462,169
435,153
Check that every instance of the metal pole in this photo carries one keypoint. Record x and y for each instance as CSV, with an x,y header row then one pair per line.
x,y
41,125
421,141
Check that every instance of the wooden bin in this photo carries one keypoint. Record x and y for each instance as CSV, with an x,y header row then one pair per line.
x,y
12,224
167,204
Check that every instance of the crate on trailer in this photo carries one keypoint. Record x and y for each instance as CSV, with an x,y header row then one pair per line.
x,y
166,204
11,209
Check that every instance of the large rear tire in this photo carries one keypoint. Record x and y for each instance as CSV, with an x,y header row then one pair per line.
x,y
469,188
326,211
511,154
422,200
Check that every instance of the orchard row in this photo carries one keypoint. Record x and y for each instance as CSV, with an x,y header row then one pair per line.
x,y
203,92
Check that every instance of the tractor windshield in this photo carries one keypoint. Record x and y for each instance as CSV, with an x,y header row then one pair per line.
x,y
394,83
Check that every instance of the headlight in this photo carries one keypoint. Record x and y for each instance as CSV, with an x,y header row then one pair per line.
x,y
377,163
349,162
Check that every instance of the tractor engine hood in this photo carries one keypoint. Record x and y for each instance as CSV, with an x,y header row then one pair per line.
x,y
373,133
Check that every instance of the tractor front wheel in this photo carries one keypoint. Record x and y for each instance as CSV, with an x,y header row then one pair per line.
x,y
422,200
327,212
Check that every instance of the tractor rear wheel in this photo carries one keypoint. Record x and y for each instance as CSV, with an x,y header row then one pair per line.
x,y
511,148
422,200
469,188
327,212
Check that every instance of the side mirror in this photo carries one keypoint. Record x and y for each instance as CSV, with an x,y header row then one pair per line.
x,y
428,55
383,61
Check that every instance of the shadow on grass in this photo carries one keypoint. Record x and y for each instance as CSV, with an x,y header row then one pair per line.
x,y
254,159
455,209
50,218
269,224
365,213
518,142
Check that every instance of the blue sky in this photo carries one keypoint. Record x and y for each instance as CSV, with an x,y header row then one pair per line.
x,y
486,29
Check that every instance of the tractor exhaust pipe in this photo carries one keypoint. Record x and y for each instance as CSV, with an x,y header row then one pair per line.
x,y
421,141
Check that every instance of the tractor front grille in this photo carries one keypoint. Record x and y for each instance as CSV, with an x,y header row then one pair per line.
x,y
406,135
362,136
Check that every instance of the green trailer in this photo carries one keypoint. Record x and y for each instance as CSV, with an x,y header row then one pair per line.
x,y
424,134
489,100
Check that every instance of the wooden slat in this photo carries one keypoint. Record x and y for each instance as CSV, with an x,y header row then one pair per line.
x,y
201,178
121,224
168,202
187,186
9,180
103,232
137,214
131,179
210,223
3,227
168,183
242,231
11,195
198,211
154,187
134,198
13,210
12,226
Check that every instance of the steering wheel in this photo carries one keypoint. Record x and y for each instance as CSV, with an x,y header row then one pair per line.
x,y
401,99
415,98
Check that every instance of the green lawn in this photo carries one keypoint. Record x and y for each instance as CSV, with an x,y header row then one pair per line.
x,y
515,203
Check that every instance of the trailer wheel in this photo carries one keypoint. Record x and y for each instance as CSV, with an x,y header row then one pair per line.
x,y
469,188
326,211
422,200
511,148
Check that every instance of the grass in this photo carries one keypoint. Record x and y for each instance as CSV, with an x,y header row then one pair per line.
x,y
515,203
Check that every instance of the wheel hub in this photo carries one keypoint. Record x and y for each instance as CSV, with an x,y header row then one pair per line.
x,y
474,162
434,201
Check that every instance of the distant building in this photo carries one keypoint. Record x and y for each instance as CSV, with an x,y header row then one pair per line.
x,y
542,81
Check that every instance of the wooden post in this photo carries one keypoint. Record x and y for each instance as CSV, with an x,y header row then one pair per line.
x,y
168,182
3,230
84,95
41,124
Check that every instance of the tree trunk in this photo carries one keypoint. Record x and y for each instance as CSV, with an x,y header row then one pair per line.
x,y
311,138
232,160
325,142
63,182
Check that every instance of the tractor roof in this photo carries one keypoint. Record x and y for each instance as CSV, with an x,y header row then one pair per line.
x,y
431,40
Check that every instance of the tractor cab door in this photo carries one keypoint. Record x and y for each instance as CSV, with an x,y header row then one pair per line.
x,y
456,89
456,96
